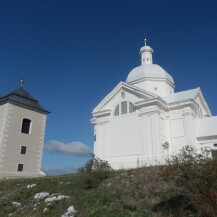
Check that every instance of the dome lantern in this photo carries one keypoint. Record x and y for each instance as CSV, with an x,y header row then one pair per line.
x,y
151,77
146,54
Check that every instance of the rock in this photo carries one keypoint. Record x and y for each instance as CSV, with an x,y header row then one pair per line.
x,y
59,197
31,186
69,212
41,195
16,203
45,209
109,184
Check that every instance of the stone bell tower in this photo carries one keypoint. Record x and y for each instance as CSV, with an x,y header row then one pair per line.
x,y
22,131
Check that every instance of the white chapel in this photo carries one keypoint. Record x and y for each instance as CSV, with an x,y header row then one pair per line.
x,y
143,121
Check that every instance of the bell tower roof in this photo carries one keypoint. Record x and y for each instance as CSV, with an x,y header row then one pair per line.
x,y
21,96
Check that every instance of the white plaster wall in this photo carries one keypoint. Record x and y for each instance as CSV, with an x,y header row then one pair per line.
x,y
125,136
178,133
182,124
160,88
201,106
131,140
15,139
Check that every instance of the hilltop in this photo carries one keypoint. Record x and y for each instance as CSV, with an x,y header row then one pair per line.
x,y
126,193
179,190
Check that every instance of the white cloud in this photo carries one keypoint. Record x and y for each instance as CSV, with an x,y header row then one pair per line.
x,y
51,171
72,148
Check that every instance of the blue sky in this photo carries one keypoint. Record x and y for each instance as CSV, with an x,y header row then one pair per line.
x,y
73,53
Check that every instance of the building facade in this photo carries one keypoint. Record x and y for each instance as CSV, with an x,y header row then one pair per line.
x,y
143,121
22,130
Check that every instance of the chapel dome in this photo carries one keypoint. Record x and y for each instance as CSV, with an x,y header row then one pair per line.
x,y
148,71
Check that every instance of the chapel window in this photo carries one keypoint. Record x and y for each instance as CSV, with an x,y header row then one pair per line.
x,y
20,167
124,107
94,137
131,107
23,150
26,126
116,110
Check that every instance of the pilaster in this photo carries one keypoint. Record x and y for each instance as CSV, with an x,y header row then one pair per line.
x,y
189,117
4,132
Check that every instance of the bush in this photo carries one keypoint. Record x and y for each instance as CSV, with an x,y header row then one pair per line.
x,y
195,178
95,171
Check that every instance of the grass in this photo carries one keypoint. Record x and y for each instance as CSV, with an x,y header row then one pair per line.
x,y
127,193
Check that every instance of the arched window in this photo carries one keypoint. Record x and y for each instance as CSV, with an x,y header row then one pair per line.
x,y
26,126
124,108
116,113
131,107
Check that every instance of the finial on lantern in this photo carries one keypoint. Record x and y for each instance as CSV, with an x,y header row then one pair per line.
x,y
21,81
145,40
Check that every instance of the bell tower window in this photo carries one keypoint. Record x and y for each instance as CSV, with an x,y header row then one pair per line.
x,y
20,167
23,150
26,126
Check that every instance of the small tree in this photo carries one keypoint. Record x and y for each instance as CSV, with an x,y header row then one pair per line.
x,y
195,177
95,171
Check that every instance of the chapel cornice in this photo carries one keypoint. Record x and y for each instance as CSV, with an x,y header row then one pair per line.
x,y
150,111
100,121
128,88
103,113
159,102
151,79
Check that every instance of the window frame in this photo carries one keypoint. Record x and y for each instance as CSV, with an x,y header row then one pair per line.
x,y
23,130
131,106
20,169
21,149
117,110
123,108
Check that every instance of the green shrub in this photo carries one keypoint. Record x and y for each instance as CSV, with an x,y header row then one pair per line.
x,y
95,171
195,178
